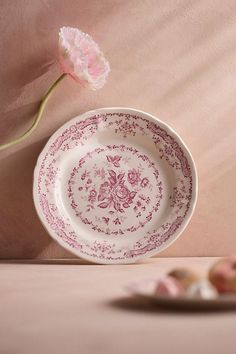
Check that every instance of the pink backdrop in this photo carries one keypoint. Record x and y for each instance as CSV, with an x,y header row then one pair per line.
x,y
174,59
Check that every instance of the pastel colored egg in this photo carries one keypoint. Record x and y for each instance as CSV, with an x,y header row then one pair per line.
x,y
169,286
202,289
223,275
185,276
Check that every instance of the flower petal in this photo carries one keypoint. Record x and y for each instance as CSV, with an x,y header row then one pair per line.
x,y
103,205
81,58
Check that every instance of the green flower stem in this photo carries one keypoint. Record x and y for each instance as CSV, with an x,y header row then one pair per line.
x,y
38,116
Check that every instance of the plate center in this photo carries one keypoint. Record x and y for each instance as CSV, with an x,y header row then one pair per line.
x,y
115,189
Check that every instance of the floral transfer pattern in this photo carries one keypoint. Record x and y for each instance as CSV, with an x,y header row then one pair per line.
x,y
125,187
78,133
115,193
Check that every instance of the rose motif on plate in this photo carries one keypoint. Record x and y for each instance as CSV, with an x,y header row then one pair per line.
x,y
115,193
111,190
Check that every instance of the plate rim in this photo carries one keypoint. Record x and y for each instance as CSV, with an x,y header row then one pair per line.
x,y
148,254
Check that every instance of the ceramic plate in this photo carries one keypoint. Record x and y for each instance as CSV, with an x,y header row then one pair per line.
x,y
115,185
145,289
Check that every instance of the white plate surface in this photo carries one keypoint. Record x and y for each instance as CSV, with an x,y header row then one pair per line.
x,y
115,185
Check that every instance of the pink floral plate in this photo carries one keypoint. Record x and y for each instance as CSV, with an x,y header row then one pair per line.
x,y
115,185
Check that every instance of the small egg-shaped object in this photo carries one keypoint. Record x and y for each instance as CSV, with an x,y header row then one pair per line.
x,y
202,289
222,275
169,286
185,276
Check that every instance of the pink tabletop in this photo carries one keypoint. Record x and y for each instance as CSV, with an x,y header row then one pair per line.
x,y
72,307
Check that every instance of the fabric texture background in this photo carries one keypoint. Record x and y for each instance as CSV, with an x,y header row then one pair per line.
x,y
175,59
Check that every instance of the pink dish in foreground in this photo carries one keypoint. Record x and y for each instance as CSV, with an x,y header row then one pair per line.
x,y
115,185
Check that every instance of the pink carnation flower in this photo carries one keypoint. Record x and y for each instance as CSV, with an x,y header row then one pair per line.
x,y
81,58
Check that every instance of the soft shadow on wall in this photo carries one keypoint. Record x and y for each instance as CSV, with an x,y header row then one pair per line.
x,y
28,66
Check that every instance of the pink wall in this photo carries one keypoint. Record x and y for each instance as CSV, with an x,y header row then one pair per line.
x,y
174,59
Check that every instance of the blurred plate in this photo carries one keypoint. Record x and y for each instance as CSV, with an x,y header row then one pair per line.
x,y
146,290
